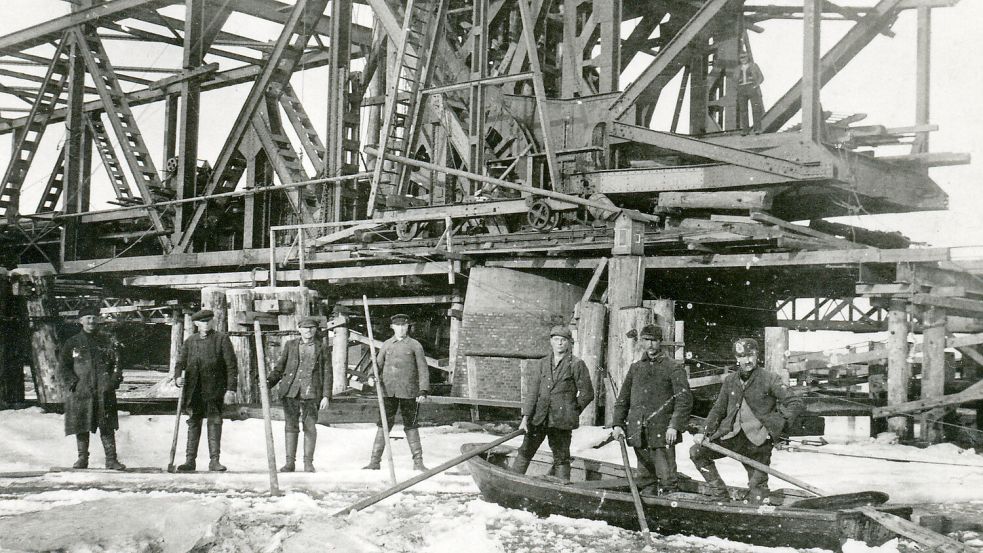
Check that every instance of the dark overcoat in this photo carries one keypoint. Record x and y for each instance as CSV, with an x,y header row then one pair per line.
x,y
654,397
208,365
768,397
314,384
403,365
91,371
556,396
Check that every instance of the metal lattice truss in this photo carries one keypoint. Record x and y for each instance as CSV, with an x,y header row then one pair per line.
x,y
846,314
443,117
119,309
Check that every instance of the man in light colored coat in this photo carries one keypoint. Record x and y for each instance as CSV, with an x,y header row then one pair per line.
x,y
558,391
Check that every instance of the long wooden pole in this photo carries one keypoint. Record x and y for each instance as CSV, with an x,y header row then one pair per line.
x,y
424,475
378,391
177,428
762,467
264,398
635,496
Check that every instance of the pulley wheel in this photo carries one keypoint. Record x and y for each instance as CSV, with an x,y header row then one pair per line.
x,y
542,217
407,230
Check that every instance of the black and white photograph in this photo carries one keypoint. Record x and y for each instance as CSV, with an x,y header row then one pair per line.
x,y
491,276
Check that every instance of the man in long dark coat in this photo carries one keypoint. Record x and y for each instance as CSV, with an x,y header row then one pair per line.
x,y
405,384
557,392
654,404
91,371
207,365
304,373
752,409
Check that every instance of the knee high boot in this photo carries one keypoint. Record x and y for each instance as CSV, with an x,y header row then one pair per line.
x,y
109,446
191,453
707,468
377,448
310,442
416,449
290,450
82,441
215,446
562,471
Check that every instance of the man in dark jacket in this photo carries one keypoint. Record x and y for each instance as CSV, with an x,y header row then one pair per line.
x,y
752,409
558,391
654,404
405,384
209,363
304,374
91,370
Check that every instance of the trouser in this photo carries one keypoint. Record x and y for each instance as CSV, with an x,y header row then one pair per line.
x,y
408,409
704,458
298,411
199,408
659,462
559,441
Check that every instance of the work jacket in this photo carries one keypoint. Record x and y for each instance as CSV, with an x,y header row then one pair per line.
x,y
556,395
403,365
91,371
210,364
769,399
314,381
654,397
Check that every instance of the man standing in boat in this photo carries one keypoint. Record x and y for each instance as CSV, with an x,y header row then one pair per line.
x,y
558,391
654,404
752,409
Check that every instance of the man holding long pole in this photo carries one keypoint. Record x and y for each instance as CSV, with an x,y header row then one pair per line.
x,y
405,383
752,409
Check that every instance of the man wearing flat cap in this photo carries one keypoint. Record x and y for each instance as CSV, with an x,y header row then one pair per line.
x,y
558,390
304,373
405,383
91,370
207,365
654,405
752,409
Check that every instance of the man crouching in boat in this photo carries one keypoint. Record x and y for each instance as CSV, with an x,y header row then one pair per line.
x,y
558,392
752,409
655,401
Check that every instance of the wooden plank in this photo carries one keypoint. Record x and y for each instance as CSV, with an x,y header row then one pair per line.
x,y
924,275
973,354
401,300
455,400
716,200
885,289
971,308
765,218
973,393
261,275
910,530
594,279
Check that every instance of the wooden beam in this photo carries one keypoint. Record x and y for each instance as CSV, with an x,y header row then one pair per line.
x,y
262,275
973,393
403,300
925,275
932,540
751,200
594,280
973,354
765,218
970,308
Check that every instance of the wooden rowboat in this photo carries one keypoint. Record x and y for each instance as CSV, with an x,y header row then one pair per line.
x,y
599,491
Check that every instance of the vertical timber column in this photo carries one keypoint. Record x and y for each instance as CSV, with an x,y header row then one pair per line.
x,y
74,194
11,367
898,368
608,13
590,339
479,70
240,302
456,314
171,107
187,144
213,297
625,279
812,118
36,288
776,351
664,315
933,371
177,339
339,353
923,65
334,147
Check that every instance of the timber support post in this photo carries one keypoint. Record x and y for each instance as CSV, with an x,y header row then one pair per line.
x,y
626,275
933,371
11,365
240,301
339,353
590,341
776,351
898,367
213,298
177,340
35,286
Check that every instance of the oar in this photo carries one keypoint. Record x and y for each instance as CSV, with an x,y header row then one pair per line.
x,y
636,497
424,475
264,398
762,467
177,428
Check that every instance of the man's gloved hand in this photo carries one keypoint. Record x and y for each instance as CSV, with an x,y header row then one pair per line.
x,y
230,397
617,433
423,396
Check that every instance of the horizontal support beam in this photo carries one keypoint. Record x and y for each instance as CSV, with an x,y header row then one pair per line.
x,y
973,393
486,81
263,275
469,210
750,200
403,300
930,159
961,306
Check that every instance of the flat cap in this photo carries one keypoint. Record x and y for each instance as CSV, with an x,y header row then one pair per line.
x,y
203,315
89,310
651,332
399,319
561,330
745,346
307,322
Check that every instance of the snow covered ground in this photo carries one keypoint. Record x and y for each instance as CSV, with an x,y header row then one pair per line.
x,y
100,511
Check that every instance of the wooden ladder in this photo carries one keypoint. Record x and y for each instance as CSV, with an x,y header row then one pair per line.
x,y
404,98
